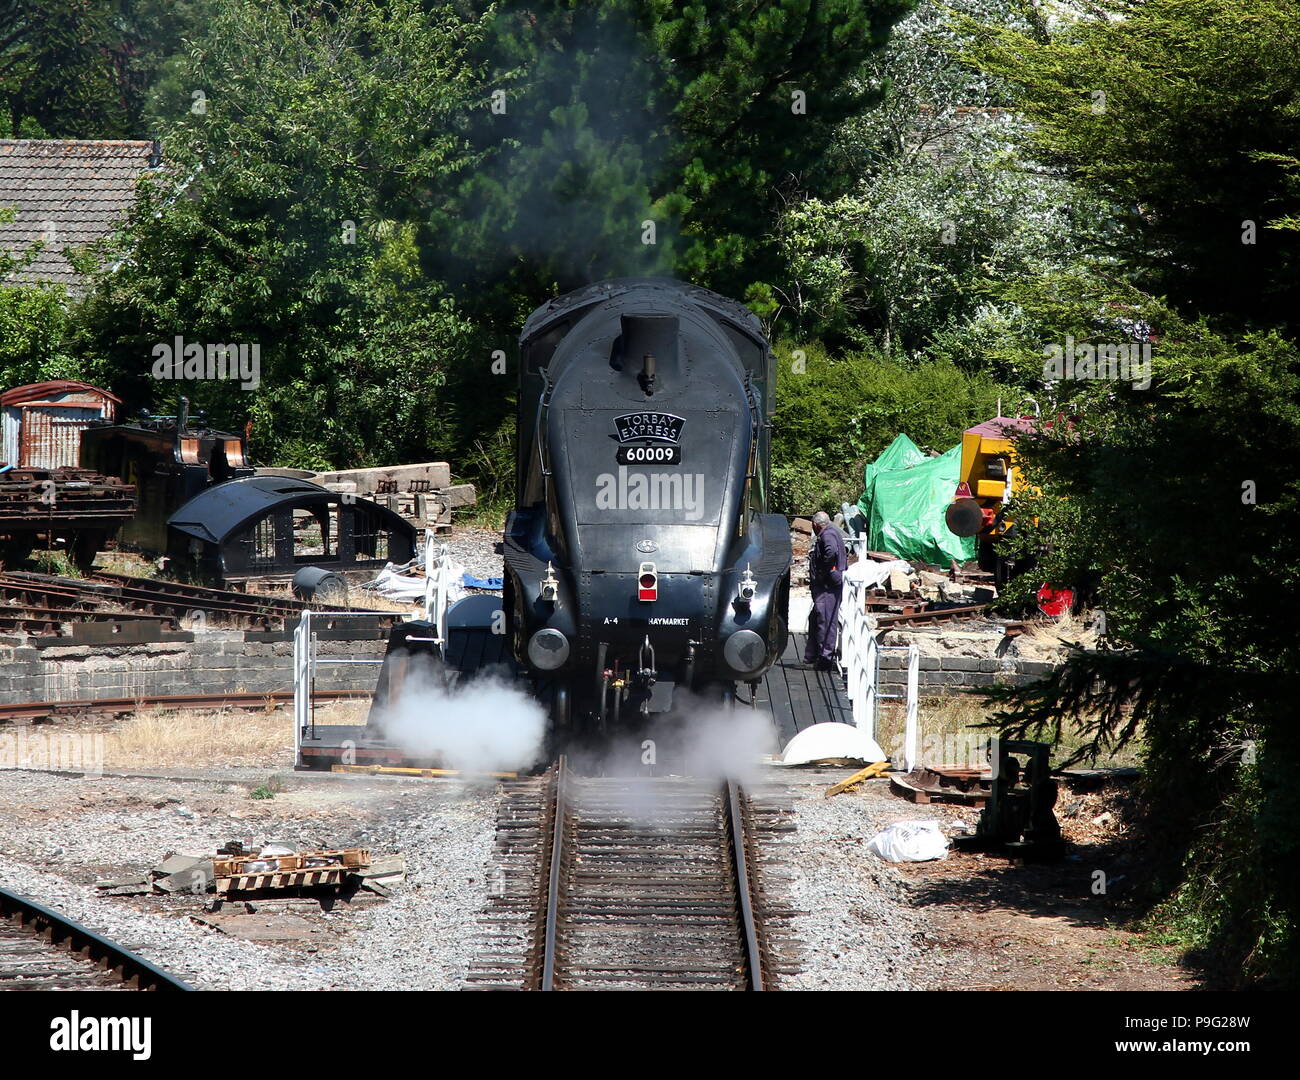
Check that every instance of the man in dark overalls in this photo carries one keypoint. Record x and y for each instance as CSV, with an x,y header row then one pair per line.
x,y
827,561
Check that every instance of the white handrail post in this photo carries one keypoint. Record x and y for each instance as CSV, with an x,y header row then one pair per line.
x,y
848,630
437,585
302,679
911,731
871,666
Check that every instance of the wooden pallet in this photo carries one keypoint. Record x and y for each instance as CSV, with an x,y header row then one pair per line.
x,y
923,794
291,872
286,879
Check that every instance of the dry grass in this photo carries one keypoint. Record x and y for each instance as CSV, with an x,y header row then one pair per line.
x,y
952,726
1060,631
157,738
348,711
126,562
359,600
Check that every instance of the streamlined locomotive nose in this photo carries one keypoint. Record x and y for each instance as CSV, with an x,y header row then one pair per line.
x,y
642,480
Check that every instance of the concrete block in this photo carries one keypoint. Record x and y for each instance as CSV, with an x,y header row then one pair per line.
x,y
959,663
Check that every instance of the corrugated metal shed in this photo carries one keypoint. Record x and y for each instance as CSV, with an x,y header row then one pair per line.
x,y
43,422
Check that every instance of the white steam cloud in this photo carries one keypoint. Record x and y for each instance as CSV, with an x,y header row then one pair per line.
x,y
486,725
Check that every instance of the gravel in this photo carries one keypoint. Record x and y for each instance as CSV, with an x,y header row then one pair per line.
x,y
475,549
423,939
206,959
856,928
62,833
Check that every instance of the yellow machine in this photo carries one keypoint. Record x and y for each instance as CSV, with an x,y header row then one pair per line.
x,y
988,480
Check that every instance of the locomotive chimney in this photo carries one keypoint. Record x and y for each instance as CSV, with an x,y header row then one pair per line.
x,y
652,338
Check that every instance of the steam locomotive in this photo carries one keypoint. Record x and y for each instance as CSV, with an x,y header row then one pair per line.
x,y
640,560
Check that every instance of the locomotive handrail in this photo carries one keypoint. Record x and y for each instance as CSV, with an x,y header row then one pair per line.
x,y
543,403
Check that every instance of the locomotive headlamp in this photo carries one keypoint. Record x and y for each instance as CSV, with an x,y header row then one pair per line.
x,y
746,588
548,649
745,652
550,587
647,583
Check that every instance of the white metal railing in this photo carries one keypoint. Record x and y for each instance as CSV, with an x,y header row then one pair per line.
x,y
305,662
437,584
860,663
437,592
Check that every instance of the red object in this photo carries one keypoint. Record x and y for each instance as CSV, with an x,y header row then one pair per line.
x,y
963,491
648,583
1053,601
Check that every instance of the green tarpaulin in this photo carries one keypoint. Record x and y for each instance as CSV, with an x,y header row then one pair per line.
x,y
904,499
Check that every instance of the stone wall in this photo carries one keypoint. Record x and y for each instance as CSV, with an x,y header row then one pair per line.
x,y
940,675
229,661
210,662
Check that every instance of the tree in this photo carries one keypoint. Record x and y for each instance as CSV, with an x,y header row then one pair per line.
x,y
1182,114
1179,500
694,119
945,212
312,141
86,69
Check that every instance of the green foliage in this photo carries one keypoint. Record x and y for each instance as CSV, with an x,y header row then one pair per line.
x,y
36,327
286,220
33,336
944,212
624,112
1181,504
85,69
1178,504
1181,113
834,415
53,562
57,76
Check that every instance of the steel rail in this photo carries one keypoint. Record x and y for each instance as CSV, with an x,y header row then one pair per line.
x,y
550,927
241,700
932,615
744,896
80,940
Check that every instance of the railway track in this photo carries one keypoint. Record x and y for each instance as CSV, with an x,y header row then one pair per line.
x,y
45,604
931,616
41,949
634,883
75,707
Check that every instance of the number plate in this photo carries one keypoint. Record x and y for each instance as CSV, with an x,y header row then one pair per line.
x,y
649,455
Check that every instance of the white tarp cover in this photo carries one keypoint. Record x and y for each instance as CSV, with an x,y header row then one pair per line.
x,y
407,584
874,574
829,741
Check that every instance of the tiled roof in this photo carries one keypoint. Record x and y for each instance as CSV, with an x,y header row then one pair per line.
x,y
79,189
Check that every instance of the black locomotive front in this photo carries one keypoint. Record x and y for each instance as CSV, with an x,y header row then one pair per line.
x,y
640,560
